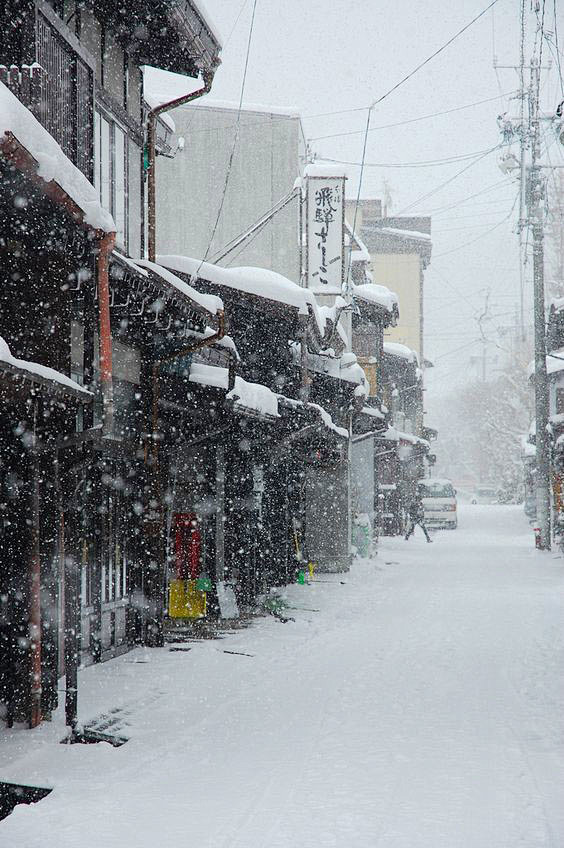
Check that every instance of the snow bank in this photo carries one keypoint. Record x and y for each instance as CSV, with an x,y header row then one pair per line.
x,y
401,350
210,302
53,164
380,295
37,370
254,396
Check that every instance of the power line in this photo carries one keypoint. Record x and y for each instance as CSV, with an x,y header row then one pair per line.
x,y
447,182
419,164
408,121
235,140
473,241
383,97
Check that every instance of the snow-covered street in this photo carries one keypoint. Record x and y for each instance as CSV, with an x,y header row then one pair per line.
x,y
416,704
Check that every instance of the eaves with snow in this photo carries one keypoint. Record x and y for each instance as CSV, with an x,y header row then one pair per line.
x,y
19,128
38,373
401,351
378,296
259,282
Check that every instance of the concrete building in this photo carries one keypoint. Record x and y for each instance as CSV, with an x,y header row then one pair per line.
x,y
265,165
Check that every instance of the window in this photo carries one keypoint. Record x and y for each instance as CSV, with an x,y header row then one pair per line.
x,y
110,172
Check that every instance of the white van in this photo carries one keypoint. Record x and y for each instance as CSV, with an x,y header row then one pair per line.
x,y
439,503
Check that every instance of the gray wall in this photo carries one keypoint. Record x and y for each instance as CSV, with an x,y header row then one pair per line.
x,y
265,166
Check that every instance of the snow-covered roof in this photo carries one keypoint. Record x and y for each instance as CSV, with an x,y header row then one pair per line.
x,y
34,369
210,302
257,281
410,234
209,375
360,252
210,102
324,169
372,412
53,165
328,421
163,86
340,368
254,396
203,12
401,350
394,435
380,295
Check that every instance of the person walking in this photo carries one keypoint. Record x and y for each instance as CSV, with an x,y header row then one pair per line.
x,y
416,515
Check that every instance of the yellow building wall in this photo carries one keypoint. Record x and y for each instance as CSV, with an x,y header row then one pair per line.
x,y
400,272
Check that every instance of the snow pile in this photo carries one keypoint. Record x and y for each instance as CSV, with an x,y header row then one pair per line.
x,y
209,302
53,164
34,369
401,350
210,102
254,396
380,295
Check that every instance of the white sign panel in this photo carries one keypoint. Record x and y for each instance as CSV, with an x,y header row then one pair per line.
x,y
325,216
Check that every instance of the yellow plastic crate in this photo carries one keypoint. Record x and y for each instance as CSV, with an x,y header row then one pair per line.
x,y
185,600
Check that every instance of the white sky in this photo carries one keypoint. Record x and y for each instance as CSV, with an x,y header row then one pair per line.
x,y
326,55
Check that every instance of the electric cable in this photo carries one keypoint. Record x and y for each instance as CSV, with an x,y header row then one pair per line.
x,y
473,241
409,120
450,180
419,164
233,146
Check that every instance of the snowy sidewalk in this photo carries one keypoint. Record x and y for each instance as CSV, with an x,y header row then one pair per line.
x,y
421,707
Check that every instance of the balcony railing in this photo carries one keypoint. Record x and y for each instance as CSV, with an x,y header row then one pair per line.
x,y
58,90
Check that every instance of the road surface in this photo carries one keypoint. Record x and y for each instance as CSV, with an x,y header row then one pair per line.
x,y
416,705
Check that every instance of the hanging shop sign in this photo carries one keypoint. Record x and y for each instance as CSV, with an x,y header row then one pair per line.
x,y
325,220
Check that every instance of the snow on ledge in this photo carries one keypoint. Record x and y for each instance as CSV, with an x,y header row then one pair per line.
x,y
53,164
34,369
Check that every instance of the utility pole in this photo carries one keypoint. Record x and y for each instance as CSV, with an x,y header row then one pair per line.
x,y
535,197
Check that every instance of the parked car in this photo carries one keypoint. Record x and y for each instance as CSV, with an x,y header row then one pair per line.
x,y
439,503
485,495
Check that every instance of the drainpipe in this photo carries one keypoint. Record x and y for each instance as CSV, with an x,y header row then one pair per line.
x,y
152,154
